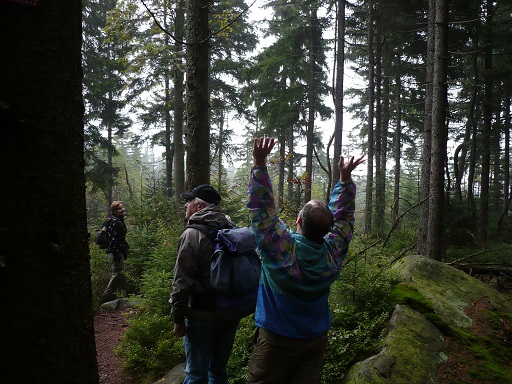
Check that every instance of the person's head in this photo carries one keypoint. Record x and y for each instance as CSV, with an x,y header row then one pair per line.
x,y
199,198
314,220
117,208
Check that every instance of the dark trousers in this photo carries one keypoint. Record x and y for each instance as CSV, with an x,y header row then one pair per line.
x,y
281,360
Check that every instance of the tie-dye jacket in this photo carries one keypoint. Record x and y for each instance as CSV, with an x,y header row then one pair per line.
x,y
296,272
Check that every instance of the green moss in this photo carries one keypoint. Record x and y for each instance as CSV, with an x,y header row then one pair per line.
x,y
439,323
495,317
463,336
404,293
492,355
490,371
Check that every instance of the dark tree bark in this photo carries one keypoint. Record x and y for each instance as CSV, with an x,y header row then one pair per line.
x,y
506,130
371,98
45,282
220,149
291,168
474,128
379,175
506,164
198,126
381,188
439,135
313,68
483,220
398,134
179,154
338,92
423,212
496,191
280,182
169,147
457,172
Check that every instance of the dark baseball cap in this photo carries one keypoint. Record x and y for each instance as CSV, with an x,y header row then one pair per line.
x,y
204,192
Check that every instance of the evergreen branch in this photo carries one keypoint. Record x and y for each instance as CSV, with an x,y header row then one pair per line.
x,y
160,25
202,41
228,24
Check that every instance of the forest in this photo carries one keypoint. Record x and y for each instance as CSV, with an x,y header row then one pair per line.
x,y
141,100
432,113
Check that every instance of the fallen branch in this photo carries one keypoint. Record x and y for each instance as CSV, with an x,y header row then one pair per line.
x,y
472,255
482,269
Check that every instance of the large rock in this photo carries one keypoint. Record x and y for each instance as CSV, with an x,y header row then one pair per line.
x,y
412,348
448,290
175,376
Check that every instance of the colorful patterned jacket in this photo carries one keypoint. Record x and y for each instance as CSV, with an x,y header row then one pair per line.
x,y
296,272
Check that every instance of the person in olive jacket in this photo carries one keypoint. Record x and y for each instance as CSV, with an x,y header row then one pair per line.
x,y
117,251
208,336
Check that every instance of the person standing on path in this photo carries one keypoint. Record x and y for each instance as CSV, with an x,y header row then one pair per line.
x,y
117,251
298,267
208,336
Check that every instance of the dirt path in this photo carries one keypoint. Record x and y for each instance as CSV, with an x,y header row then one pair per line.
x,y
109,328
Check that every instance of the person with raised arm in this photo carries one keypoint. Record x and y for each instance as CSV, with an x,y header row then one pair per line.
x,y
298,268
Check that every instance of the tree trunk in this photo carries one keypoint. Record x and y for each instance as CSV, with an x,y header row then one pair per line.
x,y
371,97
45,282
506,165
280,181
310,136
379,178
168,142
423,212
398,134
110,150
435,245
338,91
198,127
220,150
291,168
179,155
474,126
167,116
495,187
483,221
381,189
506,160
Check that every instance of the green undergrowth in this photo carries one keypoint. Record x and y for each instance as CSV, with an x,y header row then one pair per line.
x,y
149,347
361,301
361,304
490,351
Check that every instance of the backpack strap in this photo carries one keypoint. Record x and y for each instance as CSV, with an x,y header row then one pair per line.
x,y
106,223
210,232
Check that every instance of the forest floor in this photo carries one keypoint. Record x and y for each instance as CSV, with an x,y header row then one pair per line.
x,y
110,327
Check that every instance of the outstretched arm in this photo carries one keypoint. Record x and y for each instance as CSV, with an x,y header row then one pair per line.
x,y
346,168
262,147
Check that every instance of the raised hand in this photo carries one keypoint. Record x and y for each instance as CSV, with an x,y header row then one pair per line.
x,y
346,168
262,147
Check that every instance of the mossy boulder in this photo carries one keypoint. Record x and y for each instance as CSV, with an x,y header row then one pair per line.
x,y
412,348
448,290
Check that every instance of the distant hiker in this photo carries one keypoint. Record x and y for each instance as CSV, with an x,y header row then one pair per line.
x,y
117,251
292,311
